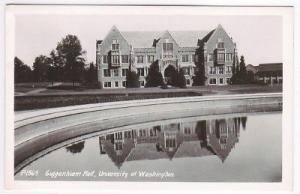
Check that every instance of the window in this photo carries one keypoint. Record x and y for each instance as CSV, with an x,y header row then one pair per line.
x,y
115,45
124,58
228,56
170,143
104,58
221,70
168,47
187,130
212,81
221,81
106,72
124,83
119,135
212,70
220,44
185,58
142,83
119,146
115,59
210,57
124,72
127,134
152,132
141,71
142,132
116,84
221,57
228,69
107,84
140,59
150,58
116,72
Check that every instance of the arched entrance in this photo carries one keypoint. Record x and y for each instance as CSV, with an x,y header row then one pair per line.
x,y
170,75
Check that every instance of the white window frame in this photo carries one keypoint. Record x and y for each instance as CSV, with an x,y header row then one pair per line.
x,y
140,57
109,72
105,84
126,70
213,79
185,58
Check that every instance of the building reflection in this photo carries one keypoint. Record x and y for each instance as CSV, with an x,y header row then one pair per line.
x,y
175,140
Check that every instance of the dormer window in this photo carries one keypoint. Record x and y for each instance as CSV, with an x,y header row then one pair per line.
x,y
115,47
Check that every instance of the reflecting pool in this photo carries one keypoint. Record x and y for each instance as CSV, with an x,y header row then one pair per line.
x,y
225,148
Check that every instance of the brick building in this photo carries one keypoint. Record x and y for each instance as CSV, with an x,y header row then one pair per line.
x,y
213,52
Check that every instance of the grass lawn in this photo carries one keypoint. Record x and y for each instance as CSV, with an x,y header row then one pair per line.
x,y
65,95
29,86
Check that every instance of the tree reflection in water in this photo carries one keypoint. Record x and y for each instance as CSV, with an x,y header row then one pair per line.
x,y
75,147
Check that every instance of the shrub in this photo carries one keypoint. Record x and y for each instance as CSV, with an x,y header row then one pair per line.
x,y
132,79
154,77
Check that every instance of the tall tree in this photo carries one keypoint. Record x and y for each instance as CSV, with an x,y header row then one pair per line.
x,y
41,67
242,69
57,66
240,75
23,73
91,73
132,79
69,48
199,77
171,75
181,81
154,77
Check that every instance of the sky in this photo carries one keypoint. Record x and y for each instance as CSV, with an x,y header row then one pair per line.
x,y
258,37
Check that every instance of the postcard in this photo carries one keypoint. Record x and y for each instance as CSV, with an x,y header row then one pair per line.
x,y
173,97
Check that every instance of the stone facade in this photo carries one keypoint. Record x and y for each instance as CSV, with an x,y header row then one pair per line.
x,y
137,50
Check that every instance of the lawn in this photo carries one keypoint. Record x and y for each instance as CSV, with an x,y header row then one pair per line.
x,y
65,95
49,101
29,86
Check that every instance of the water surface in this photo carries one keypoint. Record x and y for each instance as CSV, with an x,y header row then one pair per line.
x,y
225,148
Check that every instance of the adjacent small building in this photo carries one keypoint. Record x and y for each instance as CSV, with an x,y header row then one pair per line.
x,y
213,51
268,73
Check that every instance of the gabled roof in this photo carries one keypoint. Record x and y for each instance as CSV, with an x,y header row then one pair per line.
x,y
141,39
188,38
145,39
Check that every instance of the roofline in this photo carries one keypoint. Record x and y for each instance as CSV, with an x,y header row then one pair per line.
x,y
218,27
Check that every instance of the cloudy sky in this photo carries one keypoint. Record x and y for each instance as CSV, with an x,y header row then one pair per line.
x,y
258,38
